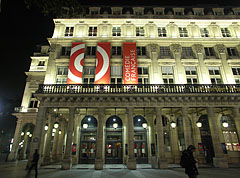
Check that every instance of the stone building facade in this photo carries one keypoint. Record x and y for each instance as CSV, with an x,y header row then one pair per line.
x,y
187,90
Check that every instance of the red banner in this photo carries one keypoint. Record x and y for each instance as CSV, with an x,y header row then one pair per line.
x,y
103,63
130,73
76,64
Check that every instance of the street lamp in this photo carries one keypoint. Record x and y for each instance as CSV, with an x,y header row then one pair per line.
x,y
56,125
85,126
59,132
144,125
199,124
115,125
173,124
46,127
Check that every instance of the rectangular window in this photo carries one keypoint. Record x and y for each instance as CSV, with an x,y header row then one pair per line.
x,y
41,63
66,51
209,52
215,75
191,74
165,52
232,52
141,50
61,80
143,70
236,70
89,70
116,80
204,32
62,71
139,31
116,71
92,31
167,70
91,51
162,32
159,12
187,52
225,32
183,32
178,13
116,50
142,80
69,31
33,102
116,31
88,80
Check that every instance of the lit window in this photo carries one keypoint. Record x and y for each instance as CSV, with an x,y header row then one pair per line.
x,y
225,32
69,31
167,73
215,75
162,32
183,32
139,31
92,31
204,32
141,50
116,31
33,102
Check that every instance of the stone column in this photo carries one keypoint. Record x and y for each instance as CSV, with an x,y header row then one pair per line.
x,y
218,160
162,161
17,135
99,143
197,138
131,163
46,156
202,69
55,145
236,117
174,140
179,68
156,75
24,148
60,142
187,128
75,140
37,134
67,160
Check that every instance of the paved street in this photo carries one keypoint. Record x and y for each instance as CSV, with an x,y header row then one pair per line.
x,y
17,170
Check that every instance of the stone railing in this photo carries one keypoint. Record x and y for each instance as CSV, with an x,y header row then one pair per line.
x,y
136,89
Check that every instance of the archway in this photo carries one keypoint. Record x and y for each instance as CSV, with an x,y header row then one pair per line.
x,y
114,147
87,151
140,140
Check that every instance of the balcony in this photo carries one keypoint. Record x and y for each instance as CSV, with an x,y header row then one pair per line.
x,y
137,89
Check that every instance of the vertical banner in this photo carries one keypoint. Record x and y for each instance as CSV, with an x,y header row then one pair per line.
x,y
103,63
76,64
130,73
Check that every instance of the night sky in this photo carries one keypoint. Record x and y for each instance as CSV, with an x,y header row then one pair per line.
x,y
23,29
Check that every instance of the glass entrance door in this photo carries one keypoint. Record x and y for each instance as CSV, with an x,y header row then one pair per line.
x,y
87,148
140,147
113,152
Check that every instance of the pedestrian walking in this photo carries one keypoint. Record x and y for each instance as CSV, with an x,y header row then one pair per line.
x,y
189,163
34,163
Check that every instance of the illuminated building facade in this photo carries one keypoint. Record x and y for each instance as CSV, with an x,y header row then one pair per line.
x,y
134,85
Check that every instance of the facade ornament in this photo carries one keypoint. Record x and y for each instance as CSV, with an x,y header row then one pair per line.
x,y
153,48
176,48
221,48
198,48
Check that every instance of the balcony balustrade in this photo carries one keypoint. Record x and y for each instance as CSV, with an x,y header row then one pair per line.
x,y
136,89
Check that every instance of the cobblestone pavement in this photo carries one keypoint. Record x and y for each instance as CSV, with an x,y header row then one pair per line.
x,y
17,170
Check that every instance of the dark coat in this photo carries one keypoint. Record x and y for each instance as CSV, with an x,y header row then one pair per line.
x,y
35,158
190,163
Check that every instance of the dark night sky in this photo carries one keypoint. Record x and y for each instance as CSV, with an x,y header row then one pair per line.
x,y
22,30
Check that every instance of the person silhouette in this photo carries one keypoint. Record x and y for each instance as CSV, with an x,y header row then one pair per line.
x,y
34,163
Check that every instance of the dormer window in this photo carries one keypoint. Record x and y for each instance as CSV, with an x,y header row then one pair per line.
x,y
138,12
178,13
41,63
116,12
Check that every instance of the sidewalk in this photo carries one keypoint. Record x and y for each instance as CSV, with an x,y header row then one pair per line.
x,y
17,170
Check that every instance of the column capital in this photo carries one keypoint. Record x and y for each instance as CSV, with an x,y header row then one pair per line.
x,y
221,48
176,48
198,48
